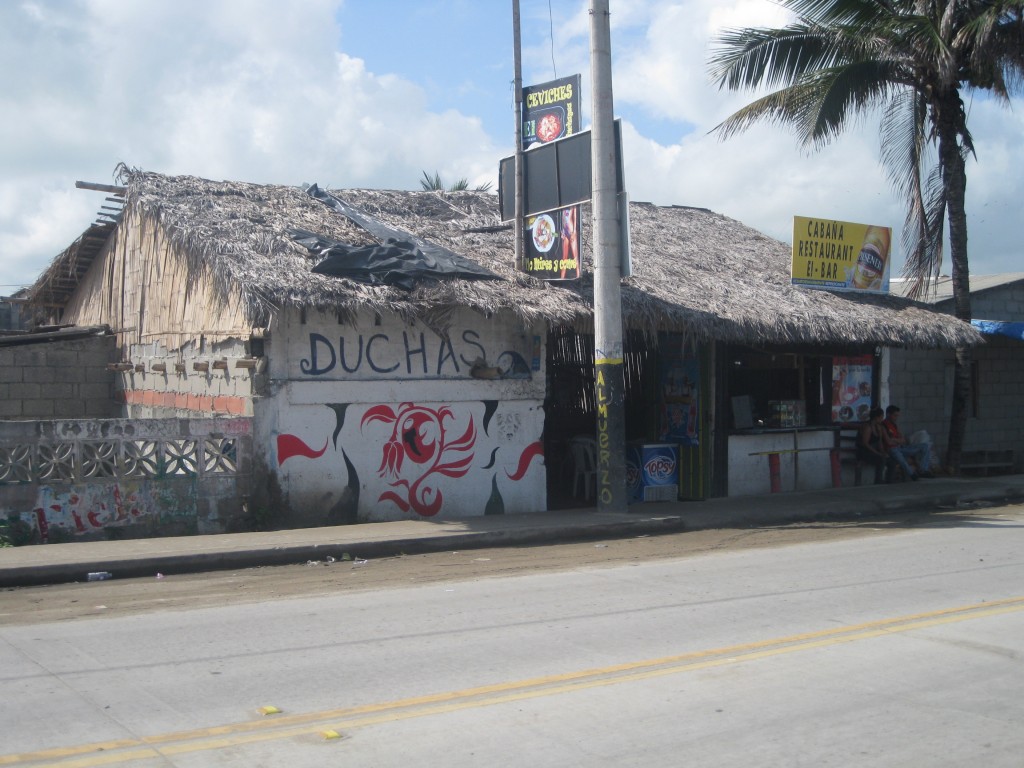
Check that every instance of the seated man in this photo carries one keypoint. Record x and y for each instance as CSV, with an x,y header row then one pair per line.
x,y
900,449
872,447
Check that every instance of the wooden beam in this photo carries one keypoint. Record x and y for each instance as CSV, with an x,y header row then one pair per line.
x,y
112,189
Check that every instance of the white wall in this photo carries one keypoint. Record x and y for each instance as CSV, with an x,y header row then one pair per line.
x,y
805,471
383,420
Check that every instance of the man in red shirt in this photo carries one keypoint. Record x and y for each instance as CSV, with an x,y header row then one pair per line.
x,y
901,449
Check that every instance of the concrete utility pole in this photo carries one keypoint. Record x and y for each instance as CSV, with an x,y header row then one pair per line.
x,y
608,355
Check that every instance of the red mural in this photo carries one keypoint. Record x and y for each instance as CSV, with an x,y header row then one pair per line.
x,y
528,454
419,435
290,445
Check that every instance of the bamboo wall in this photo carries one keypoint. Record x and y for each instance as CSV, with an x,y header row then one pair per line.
x,y
141,287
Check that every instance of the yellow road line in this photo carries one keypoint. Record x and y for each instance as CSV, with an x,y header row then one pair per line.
x,y
285,726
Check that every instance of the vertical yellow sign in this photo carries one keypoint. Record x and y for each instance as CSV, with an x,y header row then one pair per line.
x,y
841,255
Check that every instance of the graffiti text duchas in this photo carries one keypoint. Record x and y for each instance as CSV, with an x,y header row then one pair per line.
x,y
412,354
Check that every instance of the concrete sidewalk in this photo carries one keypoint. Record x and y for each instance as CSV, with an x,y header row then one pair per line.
x,y
53,563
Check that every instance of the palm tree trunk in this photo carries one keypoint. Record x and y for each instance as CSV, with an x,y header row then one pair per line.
x,y
954,179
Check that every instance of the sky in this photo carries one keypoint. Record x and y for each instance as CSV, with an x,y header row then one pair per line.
x,y
373,93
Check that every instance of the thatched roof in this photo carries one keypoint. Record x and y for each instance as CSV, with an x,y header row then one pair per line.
x,y
694,271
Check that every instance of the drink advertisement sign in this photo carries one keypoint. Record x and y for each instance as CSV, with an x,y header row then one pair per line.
x,y
680,394
841,255
551,111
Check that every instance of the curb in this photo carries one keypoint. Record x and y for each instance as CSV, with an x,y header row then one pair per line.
x,y
715,514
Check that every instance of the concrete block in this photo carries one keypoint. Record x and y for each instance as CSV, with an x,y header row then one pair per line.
x,y
23,391
8,371
59,392
10,409
63,358
37,374
71,408
38,409
95,391
71,374
97,373
29,356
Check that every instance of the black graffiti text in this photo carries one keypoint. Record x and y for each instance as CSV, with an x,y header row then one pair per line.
x,y
411,354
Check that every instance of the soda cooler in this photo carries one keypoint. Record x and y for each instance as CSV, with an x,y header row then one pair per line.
x,y
652,471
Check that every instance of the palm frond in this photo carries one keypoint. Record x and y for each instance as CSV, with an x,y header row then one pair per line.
x,y
924,246
431,184
435,184
840,95
903,143
860,13
753,58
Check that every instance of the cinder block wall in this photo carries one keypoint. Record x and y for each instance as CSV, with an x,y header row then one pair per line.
x,y
998,421
59,380
999,304
921,382
189,382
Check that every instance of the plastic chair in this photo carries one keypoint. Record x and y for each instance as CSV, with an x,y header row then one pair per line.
x,y
584,459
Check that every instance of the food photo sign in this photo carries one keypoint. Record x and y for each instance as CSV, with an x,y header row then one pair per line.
x,y
551,111
851,389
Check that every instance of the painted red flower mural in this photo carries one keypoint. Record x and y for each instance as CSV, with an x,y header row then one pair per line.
x,y
419,436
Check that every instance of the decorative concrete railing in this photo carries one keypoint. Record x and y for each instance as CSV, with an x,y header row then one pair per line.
x,y
168,475
123,457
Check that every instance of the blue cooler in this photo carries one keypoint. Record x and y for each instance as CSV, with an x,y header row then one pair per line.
x,y
652,472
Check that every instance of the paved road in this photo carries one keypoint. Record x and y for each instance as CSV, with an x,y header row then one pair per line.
x,y
893,650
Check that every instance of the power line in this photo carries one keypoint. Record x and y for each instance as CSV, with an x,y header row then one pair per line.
x,y
551,37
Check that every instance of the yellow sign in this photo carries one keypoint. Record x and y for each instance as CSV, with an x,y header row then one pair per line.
x,y
840,255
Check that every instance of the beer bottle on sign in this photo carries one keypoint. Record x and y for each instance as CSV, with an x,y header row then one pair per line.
x,y
870,267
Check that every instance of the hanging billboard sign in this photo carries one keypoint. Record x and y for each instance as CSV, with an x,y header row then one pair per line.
x,y
555,175
551,111
841,255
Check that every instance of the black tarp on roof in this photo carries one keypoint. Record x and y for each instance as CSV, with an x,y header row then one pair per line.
x,y
401,260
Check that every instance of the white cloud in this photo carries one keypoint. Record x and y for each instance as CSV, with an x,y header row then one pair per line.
x,y
231,89
266,91
762,177
759,179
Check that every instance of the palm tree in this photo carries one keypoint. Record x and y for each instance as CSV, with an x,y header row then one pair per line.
x,y
908,62
434,183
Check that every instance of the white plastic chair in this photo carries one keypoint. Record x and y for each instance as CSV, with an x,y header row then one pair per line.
x,y
584,459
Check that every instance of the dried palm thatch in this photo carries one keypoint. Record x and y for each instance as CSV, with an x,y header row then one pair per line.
x,y
694,271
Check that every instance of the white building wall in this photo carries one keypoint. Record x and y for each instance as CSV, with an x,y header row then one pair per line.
x,y
804,463
385,420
